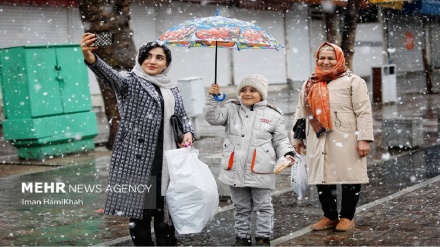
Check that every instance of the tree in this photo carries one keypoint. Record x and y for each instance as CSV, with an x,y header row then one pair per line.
x,y
348,22
351,17
110,16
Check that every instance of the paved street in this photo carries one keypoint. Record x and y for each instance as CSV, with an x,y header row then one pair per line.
x,y
410,217
398,207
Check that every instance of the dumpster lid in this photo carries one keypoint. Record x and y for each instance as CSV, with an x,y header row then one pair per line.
x,y
41,46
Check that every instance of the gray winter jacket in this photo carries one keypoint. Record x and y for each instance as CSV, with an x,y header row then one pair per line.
x,y
133,152
255,138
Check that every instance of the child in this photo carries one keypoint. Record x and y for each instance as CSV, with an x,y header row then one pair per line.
x,y
255,138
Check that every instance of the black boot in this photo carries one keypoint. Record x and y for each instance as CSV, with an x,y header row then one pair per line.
x,y
262,241
170,241
242,241
140,231
165,235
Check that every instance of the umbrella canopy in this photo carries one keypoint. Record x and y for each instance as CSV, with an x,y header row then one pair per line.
x,y
218,31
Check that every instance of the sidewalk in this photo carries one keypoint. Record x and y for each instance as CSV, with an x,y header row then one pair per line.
x,y
401,197
409,217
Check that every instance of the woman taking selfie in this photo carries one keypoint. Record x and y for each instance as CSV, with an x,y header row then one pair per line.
x,y
147,99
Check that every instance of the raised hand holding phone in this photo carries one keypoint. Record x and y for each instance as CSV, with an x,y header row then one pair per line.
x,y
86,47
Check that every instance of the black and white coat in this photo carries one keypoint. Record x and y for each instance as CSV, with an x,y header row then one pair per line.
x,y
140,109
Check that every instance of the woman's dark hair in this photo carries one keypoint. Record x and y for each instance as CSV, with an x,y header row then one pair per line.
x,y
143,51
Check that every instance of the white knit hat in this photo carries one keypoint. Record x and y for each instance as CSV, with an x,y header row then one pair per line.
x,y
256,81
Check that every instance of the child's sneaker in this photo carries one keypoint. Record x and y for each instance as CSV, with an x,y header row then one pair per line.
x,y
242,241
262,241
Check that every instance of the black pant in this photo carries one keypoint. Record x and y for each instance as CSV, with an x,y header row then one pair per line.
x,y
328,198
140,230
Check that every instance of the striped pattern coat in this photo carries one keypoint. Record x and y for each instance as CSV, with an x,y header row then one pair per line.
x,y
136,140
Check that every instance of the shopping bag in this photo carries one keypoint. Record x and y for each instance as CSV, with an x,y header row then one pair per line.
x,y
299,180
192,195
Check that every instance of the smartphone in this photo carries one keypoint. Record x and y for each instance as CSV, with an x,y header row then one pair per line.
x,y
104,38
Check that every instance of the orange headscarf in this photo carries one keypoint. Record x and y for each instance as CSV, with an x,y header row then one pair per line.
x,y
317,101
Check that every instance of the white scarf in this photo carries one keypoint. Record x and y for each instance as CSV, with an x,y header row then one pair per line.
x,y
165,84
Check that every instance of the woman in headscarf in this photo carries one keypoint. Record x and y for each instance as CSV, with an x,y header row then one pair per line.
x,y
335,105
147,99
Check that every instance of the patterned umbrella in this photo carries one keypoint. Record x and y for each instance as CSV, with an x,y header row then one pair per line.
x,y
217,31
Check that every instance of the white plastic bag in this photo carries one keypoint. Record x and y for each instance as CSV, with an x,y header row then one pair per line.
x,y
299,180
192,195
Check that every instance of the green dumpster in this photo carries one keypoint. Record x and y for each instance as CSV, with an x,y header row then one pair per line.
x,y
46,100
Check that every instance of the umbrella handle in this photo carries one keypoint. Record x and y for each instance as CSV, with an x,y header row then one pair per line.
x,y
220,97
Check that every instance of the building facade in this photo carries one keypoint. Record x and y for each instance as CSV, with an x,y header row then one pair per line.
x,y
396,38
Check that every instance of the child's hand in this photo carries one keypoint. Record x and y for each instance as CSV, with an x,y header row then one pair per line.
x,y
214,89
291,159
282,163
